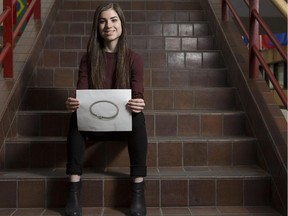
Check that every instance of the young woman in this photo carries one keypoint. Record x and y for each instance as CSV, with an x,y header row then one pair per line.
x,y
109,64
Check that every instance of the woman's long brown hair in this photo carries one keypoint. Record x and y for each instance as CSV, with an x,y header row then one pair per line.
x,y
97,56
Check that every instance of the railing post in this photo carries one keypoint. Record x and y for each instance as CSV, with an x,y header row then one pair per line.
x,y
37,10
14,11
225,11
253,40
8,39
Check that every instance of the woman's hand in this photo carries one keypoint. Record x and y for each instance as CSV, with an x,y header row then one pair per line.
x,y
136,105
72,104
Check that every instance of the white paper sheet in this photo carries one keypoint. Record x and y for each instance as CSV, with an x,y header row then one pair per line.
x,y
104,110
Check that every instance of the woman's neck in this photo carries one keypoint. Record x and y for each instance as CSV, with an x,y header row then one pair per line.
x,y
111,47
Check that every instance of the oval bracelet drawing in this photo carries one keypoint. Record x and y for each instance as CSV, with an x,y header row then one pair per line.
x,y
95,112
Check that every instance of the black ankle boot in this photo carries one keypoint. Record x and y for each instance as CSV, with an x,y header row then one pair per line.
x,y
138,207
73,207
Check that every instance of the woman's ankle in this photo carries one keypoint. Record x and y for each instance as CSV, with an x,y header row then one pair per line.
x,y
74,178
137,179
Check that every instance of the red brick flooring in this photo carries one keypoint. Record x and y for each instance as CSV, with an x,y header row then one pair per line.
x,y
196,211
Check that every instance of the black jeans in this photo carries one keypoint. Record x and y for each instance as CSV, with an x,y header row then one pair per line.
x,y
137,145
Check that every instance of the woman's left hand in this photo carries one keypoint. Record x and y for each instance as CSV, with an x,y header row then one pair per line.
x,y
136,105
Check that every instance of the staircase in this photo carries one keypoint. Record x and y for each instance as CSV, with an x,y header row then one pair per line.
x,y
202,155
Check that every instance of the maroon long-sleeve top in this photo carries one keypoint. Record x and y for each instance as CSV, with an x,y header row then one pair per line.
x,y
136,67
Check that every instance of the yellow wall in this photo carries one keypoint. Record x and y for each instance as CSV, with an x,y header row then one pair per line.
x,y
272,55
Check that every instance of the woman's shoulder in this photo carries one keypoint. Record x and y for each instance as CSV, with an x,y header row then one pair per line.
x,y
132,52
85,62
134,56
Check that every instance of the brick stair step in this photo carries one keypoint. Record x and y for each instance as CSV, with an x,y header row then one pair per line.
x,y
48,79
177,210
50,152
140,15
59,139
162,98
168,29
190,98
155,29
196,123
176,123
169,43
41,123
46,98
192,78
199,28
176,60
139,5
193,186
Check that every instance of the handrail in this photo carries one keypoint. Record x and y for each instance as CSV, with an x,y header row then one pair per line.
x,y
233,11
10,33
270,35
282,6
4,14
270,74
27,15
255,56
5,51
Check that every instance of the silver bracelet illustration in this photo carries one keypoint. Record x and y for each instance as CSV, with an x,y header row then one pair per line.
x,y
104,117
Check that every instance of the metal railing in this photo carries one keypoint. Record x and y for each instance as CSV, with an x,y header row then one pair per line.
x,y
11,30
255,57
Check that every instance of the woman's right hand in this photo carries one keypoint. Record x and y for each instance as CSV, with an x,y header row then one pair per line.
x,y
72,104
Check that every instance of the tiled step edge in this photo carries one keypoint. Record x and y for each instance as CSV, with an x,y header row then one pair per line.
x,y
153,77
50,152
176,123
178,98
209,186
176,210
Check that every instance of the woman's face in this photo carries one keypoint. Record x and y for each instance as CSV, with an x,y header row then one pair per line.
x,y
109,26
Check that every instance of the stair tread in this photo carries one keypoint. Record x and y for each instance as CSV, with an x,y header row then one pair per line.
x,y
193,172
151,139
147,111
177,210
180,88
191,88
177,22
218,51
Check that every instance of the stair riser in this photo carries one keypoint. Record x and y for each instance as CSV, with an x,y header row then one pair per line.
x,y
165,99
158,124
159,78
195,125
51,193
115,154
198,99
153,78
137,5
138,29
156,59
138,15
152,43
